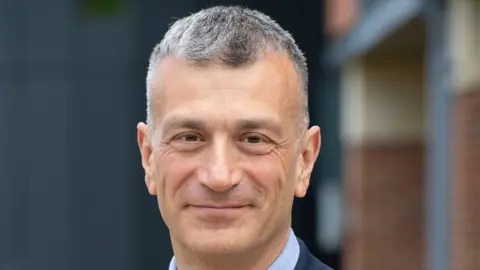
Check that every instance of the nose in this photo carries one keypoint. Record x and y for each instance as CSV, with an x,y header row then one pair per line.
x,y
220,174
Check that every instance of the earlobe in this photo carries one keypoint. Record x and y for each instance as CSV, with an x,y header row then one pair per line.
x,y
308,157
301,189
144,145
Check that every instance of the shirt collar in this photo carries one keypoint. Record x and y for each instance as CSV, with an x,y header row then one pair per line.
x,y
286,261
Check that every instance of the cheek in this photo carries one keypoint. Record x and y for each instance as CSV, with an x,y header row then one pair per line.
x,y
270,173
172,171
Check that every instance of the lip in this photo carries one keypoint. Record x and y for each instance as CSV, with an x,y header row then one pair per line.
x,y
218,210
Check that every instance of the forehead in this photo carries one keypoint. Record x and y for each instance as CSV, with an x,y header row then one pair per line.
x,y
267,86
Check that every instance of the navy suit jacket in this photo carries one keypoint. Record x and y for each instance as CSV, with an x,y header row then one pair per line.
x,y
306,261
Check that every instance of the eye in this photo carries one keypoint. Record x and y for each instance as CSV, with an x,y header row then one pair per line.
x,y
255,139
256,144
188,141
252,139
188,137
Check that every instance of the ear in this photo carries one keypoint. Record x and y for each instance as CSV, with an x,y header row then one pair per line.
x,y
308,157
145,146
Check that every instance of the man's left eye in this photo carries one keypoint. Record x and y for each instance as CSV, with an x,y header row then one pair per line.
x,y
252,139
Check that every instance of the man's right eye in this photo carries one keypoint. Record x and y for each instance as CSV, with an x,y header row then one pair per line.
x,y
188,137
186,142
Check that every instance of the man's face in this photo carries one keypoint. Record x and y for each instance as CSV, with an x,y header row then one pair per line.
x,y
225,160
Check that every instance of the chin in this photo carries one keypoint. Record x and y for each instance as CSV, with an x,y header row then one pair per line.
x,y
219,240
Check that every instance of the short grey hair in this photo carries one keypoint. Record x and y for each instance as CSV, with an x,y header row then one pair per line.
x,y
231,36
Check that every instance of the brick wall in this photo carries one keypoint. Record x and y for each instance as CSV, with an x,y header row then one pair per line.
x,y
465,51
466,180
383,128
384,192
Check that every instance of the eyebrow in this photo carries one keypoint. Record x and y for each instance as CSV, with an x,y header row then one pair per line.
x,y
256,124
180,122
240,124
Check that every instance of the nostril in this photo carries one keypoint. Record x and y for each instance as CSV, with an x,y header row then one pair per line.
x,y
236,177
218,179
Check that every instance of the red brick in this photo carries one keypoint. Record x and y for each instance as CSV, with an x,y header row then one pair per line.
x,y
466,181
384,187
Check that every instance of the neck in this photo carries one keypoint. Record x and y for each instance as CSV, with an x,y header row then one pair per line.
x,y
258,258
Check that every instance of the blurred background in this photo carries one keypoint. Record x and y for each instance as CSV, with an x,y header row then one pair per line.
x,y
394,85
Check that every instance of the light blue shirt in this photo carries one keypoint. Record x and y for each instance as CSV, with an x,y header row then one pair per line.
x,y
286,261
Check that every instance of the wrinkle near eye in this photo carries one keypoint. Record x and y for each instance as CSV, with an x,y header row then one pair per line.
x,y
162,152
281,151
284,143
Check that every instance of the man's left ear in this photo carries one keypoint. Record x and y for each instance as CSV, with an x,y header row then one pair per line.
x,y
308,156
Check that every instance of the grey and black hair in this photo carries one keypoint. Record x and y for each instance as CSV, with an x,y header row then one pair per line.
x,y
232,36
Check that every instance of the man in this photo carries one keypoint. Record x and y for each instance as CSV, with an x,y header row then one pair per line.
x,y
226,146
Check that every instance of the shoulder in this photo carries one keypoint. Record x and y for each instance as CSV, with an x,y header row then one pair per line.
x,y
307,261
